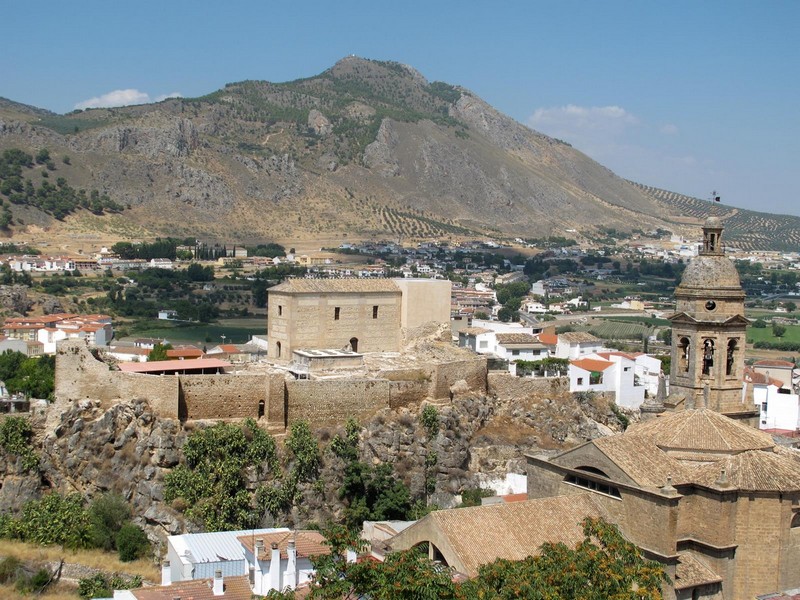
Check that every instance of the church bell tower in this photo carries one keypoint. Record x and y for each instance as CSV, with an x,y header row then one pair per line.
x,y
709,333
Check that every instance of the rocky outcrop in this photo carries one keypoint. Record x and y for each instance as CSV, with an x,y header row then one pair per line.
x,y
379,155
15,298
319,123
124,449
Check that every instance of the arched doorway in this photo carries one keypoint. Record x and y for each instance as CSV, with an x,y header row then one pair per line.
x,y
354,344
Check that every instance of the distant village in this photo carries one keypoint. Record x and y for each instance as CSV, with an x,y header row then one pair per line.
x,y
706,481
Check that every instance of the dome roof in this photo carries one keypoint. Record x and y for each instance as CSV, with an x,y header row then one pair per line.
x,y
713,223
710,272
704,431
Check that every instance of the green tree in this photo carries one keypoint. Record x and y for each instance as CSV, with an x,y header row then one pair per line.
x,y
304,450
159,352
132,542
778,330
429,417
604,565
108,513
790,306
211,483
16,434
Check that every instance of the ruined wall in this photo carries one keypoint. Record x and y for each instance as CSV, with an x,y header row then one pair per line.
x,y
406,393
80,376
471,370
222,396
325,403
510,386
273,397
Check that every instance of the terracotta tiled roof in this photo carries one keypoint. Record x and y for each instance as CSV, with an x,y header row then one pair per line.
x,y
691,572
234,588
774,363
521,527
319,286
173,365
702,430
608,355
751,376
549,339
184,352
591,364
308,543
577,337
755,470
517,338
642,461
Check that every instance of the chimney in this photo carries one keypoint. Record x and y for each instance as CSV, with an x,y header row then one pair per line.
x,y
351,555
166,573
275,568
259,550
290,579
219,588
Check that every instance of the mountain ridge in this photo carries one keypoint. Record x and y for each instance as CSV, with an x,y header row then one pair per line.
x,y
336,154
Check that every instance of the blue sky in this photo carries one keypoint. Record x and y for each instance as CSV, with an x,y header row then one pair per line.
x,y
686,95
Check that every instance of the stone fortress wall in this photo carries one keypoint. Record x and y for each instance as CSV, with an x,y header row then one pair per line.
x,y
273,397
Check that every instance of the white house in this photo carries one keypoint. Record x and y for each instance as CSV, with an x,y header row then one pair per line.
x,y
615,375
283,559
519,346
646,368
575,344
199,555
780,408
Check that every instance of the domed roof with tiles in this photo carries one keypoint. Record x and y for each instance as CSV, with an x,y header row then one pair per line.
x,y
753,470
710,272
702,431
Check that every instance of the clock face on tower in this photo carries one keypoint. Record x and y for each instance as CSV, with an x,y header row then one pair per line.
x,y
711,305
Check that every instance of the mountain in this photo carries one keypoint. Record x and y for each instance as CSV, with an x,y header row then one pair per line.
x,y
366,148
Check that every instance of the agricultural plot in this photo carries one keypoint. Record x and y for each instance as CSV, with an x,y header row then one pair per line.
x,y
755,334
745,229
616,330
416,224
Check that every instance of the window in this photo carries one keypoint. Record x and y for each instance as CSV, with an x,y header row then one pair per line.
x,y
374,312
763,407
336,312
278,348
626,369
515,353
595,486
483,344
580,380
795,520
280,310
595,378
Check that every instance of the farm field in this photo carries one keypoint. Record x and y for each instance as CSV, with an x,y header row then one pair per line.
x,y
756,334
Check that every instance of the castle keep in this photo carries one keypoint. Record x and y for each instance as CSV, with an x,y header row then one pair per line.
x,y
360,315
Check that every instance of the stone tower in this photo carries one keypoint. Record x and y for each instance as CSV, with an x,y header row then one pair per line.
x,y
708,333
